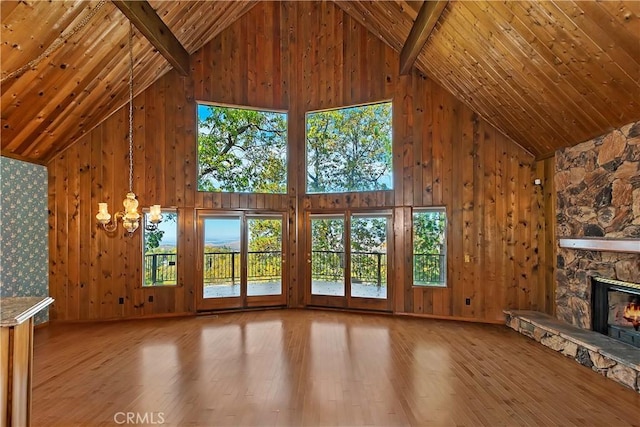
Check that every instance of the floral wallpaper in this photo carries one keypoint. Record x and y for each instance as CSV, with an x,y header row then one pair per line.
x,y
24,229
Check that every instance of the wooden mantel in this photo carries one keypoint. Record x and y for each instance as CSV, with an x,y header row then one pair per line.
x,y
602,244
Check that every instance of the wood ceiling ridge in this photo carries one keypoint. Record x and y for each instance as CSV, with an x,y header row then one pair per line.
x,y
547,75
422,28
146,20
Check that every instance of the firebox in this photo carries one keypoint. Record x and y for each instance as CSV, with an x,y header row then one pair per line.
x,y
615,309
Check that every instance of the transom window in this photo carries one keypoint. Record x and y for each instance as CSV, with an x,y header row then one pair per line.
x,y
241,150
349,149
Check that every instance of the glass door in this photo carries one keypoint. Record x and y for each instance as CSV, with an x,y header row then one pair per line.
x,y
347,260
368,241
327,256
264,256
242,256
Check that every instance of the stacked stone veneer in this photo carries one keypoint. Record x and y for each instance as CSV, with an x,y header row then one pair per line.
x,y
598,195
616,361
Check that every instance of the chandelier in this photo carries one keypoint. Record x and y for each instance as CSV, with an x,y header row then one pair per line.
x,y
129,216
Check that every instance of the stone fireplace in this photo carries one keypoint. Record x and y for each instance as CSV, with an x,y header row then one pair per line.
x,y
598,258
598,197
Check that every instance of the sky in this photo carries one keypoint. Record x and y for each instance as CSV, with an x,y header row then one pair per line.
x,y
216,230
221,229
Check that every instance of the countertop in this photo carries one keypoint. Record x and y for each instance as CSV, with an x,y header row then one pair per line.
x,y
15,310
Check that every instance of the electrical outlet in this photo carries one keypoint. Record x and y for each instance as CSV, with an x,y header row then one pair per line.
x,y
467,301
467,258
150,298
120,300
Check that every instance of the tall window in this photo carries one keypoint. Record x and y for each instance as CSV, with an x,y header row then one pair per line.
x,y
349,149
241,150
429,247
161,251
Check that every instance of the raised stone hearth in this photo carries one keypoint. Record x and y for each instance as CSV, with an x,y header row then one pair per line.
x,y
607,356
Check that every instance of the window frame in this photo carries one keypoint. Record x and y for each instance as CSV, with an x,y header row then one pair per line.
x,y
306,150
442,210
163,211
250,108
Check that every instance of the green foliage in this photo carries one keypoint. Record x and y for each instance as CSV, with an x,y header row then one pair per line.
x,y
265,237
368,234
265,234
429,229
241,150
368,239
327,235
429,234
349,149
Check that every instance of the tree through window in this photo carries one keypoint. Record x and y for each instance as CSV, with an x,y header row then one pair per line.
x,y
349,149
429,247
241,150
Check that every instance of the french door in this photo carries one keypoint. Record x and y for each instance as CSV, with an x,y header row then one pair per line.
x,y
347,260
241,260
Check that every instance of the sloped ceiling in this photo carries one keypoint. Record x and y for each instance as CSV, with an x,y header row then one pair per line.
x,y
548,74
86,80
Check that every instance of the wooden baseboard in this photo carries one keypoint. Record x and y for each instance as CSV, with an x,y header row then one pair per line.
x,y
115,319
346,310
455,318
310,307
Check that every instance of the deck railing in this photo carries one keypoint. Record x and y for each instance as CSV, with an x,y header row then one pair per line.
x,y
224,267
160,269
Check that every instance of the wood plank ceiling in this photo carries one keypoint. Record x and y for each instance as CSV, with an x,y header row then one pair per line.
x,y
86,80
548,74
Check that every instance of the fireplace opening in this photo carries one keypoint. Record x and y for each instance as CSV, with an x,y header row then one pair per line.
x,y
615,307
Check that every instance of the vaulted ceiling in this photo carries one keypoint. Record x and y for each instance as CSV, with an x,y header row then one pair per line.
x,y
548,74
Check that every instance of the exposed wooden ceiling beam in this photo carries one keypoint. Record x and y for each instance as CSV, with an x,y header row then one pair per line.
x,y
422,27
142,15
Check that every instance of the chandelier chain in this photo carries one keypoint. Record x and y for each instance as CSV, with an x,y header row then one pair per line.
x,y
55,45
130,107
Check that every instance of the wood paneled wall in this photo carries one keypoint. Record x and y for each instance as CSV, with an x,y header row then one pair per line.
x,y
450,157
299,56
545,210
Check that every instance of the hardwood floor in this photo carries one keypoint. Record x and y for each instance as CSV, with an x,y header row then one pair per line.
x,y
308,367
